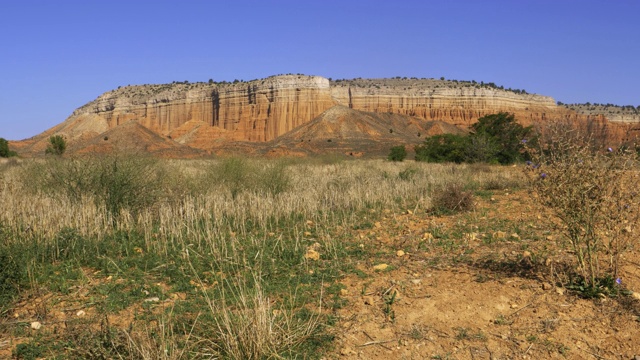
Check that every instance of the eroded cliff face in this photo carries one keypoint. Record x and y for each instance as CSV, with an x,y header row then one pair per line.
x,y
458,104
261,110
265,109
253,111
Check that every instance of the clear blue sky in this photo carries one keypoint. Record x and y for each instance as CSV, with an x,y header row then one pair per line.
x,y
57,55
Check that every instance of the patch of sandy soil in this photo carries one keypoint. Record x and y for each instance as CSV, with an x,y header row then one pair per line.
x,y
424,306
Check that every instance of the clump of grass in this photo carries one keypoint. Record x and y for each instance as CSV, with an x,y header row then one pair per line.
x,y
11,275
240,175
408,174
253,328
452,198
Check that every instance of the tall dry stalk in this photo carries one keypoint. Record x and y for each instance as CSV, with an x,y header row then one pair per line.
x,y
591,190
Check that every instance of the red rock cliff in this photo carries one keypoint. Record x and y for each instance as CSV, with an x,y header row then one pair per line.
x,y
264,109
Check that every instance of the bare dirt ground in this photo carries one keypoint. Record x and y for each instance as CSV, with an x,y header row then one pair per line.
x,y
498,296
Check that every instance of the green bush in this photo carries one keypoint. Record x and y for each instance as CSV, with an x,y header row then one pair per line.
x,y
66,178
117,182
234,173
442,148
57,145
495,138
506,138
274,178
127,182
397,153
4,149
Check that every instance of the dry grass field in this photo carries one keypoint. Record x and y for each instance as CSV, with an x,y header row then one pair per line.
x,y
135,258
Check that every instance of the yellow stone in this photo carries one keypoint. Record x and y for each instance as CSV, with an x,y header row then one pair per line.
x,y
312,255
380,267
499,235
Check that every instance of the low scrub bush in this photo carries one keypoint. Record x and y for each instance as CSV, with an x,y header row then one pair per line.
x,y
397,153
592,192
57,145
274,178
238,175
130,183
452,198
115,182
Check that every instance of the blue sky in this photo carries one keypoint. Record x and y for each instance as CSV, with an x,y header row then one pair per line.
x,y
57,55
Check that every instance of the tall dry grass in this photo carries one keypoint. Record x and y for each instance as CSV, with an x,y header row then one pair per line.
x,y
190,210
199,215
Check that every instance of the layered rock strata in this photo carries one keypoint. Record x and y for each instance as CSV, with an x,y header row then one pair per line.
x,y
200,114
259,110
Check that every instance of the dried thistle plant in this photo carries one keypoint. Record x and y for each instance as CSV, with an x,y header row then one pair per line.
x,y
591,191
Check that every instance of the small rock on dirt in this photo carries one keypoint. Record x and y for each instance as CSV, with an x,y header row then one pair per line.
x,y
547,286
368,300
346,351
636,295
36,325
499,235
312,255
400,253
560,290
380,267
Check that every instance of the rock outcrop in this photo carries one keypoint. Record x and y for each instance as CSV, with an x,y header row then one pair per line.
x,y
454,102
258,110
204,115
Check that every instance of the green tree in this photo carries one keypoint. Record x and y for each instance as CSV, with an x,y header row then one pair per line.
x,y
508,136
481,148
57,145
4,149
442,148
398,153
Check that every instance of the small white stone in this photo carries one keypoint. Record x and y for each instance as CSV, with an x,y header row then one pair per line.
x,y
36,325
